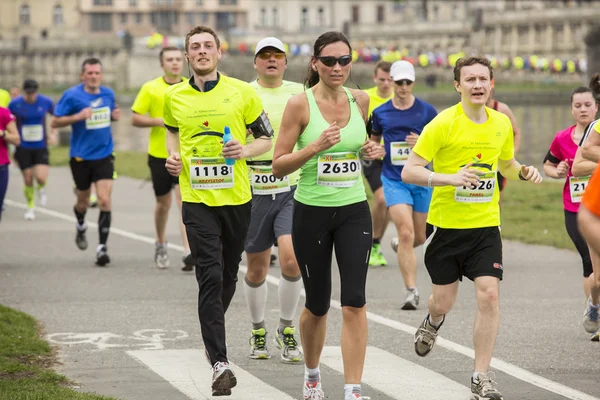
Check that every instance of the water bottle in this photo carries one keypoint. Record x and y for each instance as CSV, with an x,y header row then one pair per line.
x,y
226,138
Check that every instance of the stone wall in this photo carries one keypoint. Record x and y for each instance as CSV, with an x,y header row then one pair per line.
x,y
592,40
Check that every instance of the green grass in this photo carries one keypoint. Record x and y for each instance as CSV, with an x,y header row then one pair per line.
x,y
127,163
25,362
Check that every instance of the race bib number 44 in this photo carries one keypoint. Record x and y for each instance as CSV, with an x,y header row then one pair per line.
x,y
264,182
338,169
99,119
210,173
577,185
482,192
399,152
32,133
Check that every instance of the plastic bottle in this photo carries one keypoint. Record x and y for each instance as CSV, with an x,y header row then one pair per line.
x,y
226,138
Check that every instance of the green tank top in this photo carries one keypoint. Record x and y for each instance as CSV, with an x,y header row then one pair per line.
x,y
332,178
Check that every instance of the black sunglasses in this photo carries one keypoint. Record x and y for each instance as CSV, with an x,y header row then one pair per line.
x,y
330,61
401,82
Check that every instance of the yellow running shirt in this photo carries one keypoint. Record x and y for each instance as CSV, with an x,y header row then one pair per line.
x,y
4,98
274,101
200,118
150,101
451,140
376,101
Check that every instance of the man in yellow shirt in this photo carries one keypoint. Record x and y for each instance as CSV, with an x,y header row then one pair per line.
x,y
148,113
4,98
468,144
381,93
207,118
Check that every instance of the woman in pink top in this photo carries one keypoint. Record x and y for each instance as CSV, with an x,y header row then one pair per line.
x,y
557,164
8,134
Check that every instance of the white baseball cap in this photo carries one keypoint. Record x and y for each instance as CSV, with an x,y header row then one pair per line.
x,y
402,70
269,42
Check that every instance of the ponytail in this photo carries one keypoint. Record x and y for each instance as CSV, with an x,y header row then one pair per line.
x,y
312,77
595,85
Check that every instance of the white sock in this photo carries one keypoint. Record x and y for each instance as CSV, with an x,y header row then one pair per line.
x,y
475,378
414,290
350,389
436,322
312,375
256,300
289,294
596,306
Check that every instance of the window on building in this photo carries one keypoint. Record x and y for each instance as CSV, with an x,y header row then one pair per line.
x,y
275,16
228,2
355,14
304,17
103,2
24,15
321,16
204,18
190,18
225,20
57,15
132,3
123,18
263,16
139,17
101,22
380,13
199,2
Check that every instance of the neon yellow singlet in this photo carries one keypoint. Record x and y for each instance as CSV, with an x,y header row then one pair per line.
x,y
201,118
376,101
451,140
150,100
4,98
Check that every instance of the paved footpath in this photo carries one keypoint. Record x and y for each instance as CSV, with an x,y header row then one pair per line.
x,y
131,330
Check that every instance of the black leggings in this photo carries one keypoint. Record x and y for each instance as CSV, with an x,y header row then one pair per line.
x,y
315,232
578,241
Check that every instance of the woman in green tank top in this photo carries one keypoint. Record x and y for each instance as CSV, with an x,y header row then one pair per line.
x,y
326,124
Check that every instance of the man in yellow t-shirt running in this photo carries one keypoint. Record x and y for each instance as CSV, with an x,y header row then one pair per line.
x,y
148,113
468,144
381,93
207,118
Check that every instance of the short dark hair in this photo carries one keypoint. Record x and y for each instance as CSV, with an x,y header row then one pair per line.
x,y
201,29
595,84
468,61
385,66
165,49
90,61
583,89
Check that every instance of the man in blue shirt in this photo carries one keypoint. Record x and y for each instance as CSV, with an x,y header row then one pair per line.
x,y
400,121
89,108
30,111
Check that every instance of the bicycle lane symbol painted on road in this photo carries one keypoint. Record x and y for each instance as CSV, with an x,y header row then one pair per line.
x,y
145,339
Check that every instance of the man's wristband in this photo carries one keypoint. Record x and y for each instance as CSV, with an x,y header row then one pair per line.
x,y
429,181
521,177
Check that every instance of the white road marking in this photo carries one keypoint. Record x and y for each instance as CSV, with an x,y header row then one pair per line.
x,y
498,364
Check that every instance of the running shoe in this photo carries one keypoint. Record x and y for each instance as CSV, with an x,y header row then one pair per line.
x,y
102,257
376,258
273,259
591,319
93,200
80,239
313,391
355,396
425,337
286,342
42,197
188,263
258,345
30,214
161,258
484,388
394,244
223,379
596,336
411,301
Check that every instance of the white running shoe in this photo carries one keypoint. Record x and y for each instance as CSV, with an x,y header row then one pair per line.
x,y
313,391
42,197
30,214
161,257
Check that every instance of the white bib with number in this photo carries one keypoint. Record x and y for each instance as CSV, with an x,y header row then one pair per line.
x,y
264,182
577,185
338,169
210,173
482,192
399,152
32,133
99,119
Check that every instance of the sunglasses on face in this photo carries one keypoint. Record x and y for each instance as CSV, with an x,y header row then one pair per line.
x,y
403,82
267,55
330,61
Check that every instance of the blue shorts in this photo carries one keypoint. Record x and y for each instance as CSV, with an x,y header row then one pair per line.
x,y
398,192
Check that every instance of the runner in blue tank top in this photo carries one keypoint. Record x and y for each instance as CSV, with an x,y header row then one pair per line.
x,y
90,108
400,121
30,111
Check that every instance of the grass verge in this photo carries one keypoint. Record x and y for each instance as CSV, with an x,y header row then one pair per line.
x,y
530,213
25,362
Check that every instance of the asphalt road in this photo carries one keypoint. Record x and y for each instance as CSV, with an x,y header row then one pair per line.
x,y
131,330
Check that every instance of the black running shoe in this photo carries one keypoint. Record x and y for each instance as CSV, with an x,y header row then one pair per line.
x,y
81,240
188,262
102,257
